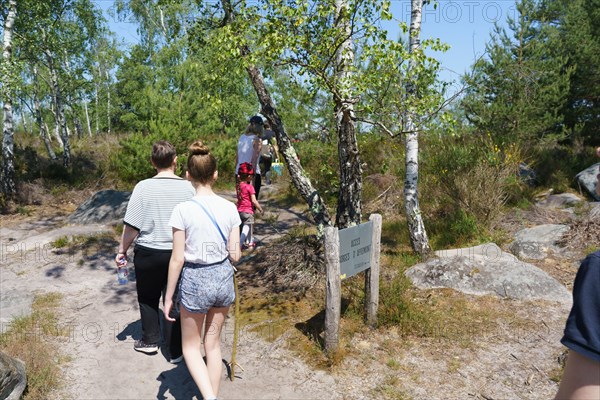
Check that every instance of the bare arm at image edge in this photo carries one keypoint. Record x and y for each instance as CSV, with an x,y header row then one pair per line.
x,y
581,379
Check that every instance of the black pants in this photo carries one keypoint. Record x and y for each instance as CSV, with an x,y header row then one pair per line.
x,y
265,167
151,272
257,184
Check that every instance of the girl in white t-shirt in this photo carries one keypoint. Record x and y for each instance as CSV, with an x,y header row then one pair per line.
x,y
206,239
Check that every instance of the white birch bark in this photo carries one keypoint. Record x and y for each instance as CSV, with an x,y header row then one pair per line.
x,y
25,124
349,197
108,100
87,119
76,120
60,112
418,234
8,167
97,113
56,130
38,116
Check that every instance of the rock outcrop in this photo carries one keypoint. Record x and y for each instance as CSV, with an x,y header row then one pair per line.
x,y
587,180
535,243
487,270
12,377
103,207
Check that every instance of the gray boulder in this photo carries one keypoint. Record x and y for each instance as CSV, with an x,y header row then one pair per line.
x,y
535,243
487,270
103,207
561,200
527,174
587,180
12,377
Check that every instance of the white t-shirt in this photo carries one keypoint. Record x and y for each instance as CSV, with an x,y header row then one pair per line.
x,y
203,242
245,151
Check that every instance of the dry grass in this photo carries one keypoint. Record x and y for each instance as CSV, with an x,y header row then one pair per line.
x,y
30,339
518,219
282,299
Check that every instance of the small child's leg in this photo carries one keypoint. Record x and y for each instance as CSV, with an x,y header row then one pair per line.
x,y
246,229
251,237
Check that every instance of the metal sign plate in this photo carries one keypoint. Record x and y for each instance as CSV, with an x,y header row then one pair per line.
x,y
355,249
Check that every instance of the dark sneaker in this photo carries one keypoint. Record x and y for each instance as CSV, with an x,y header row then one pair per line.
x,y
144,347
176,360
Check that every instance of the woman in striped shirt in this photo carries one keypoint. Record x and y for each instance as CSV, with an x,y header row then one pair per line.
x,y
147,222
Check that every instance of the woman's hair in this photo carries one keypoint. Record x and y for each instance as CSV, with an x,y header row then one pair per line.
x,y
255,128
201,164
163,154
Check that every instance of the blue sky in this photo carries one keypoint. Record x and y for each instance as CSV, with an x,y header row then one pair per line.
x,y
465,25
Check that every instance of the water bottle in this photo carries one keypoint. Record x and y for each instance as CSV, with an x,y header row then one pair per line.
x,y
122,272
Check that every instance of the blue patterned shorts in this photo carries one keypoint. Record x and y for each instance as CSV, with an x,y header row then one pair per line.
x,y
203,287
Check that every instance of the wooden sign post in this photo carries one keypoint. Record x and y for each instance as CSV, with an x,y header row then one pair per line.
x,y
348,252
372,274
333,296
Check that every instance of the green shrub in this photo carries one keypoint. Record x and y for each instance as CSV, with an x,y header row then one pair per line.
x,y
321,164
474,176
557,166
131,162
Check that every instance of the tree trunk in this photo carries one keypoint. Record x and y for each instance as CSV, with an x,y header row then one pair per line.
x,y
108,100
78,127
302,183
97,113
24,119
56,125
87,118
416,227
76,121
349,197
60,111
38,116
8,157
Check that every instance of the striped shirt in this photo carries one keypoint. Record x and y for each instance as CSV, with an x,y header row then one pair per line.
x,y
150,207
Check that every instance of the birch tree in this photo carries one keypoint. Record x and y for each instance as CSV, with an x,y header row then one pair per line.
x,y
416,227
37,109
350,195
57,97
8,75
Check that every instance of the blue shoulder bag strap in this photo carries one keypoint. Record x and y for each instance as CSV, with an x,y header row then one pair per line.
x,y
212,219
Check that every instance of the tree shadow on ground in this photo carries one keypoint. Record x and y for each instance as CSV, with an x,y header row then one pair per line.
x,y
314,327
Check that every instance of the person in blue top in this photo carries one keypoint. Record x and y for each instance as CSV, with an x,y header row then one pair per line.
x,y
581,377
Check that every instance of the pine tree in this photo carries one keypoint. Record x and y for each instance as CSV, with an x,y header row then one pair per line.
x,y
579,26
518,92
